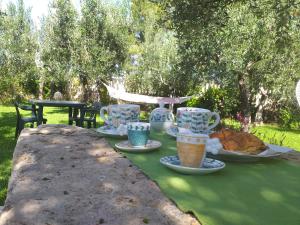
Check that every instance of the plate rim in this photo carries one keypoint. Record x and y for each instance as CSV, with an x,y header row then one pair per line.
x,y
101,131
275,154
138,148
192,168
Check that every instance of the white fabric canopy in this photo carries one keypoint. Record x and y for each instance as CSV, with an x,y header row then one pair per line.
x,y
298,92
129,97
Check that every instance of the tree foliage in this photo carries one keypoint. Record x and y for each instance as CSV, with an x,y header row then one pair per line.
x,y
58,44
88,48
17,52
249,49
100,49
249,46
153,52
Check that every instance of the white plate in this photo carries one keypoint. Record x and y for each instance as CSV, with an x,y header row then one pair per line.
x,y
109,131
209,165
127,147
173,130
271,152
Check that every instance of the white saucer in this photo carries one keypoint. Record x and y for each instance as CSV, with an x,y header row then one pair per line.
x,y
209,165
109,131
173,131
127,147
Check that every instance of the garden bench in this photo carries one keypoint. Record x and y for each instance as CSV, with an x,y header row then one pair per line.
x,y
89,115
21,121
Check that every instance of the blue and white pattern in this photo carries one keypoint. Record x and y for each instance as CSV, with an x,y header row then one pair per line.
x,y
138,137
120,114
138,133
209,165
138,126
196,119
200,121
161,119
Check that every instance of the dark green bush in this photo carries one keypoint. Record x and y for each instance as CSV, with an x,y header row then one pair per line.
x,y
289,117
216,99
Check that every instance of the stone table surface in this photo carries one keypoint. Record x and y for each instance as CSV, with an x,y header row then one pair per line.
x,y
69,175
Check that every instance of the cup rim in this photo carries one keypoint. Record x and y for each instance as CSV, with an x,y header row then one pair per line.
x,y
123,105
193,109
193,135
138,124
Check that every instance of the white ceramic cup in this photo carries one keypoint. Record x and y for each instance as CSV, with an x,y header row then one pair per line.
x,y
191,149
196,119
120,114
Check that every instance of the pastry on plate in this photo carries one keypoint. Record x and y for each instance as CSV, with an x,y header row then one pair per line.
x,y
240,141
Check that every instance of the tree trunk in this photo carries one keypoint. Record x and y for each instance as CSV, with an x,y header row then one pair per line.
x,y
85,89
41,87
261,100
244,100
67,91
52,89
104,96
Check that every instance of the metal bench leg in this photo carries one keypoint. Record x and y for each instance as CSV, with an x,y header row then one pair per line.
x,y
21,125
70,116
17,129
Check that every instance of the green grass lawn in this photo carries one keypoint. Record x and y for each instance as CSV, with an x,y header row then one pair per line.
x,y
272,134
275,135
269,133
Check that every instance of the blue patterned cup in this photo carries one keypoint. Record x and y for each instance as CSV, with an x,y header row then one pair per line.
x,y
120,114
138,133
196,119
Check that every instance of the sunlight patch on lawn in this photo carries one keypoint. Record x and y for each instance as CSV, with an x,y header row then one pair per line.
x,y
271,196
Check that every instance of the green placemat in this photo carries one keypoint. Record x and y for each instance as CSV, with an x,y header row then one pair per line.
x,y
262,193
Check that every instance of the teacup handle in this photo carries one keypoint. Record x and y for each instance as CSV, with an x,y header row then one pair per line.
x,y
216,122
172,117
105,119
